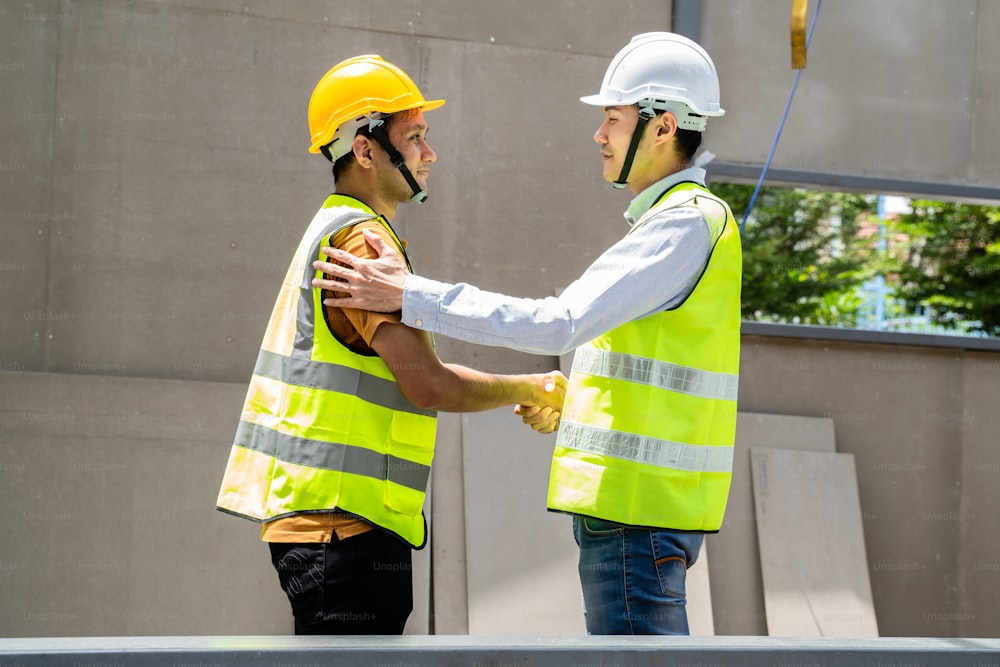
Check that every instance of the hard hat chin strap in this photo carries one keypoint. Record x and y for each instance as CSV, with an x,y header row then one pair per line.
x,y
646,114
376,129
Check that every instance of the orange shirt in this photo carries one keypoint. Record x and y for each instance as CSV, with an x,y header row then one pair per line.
x,y
355,329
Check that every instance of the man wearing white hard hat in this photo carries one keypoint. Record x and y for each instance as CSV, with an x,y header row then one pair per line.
x,y
643,457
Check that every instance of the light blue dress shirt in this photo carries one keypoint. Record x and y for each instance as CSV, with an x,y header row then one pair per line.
x,y
650,269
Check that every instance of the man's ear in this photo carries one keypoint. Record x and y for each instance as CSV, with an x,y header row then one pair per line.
x,y
666,125
362,148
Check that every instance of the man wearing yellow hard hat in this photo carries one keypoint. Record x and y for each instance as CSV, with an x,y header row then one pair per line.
x,y
335,442
643,459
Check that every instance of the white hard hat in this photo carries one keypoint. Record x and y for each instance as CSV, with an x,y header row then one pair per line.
x,y
664,69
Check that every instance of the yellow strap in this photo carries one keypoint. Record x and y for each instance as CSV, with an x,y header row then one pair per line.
x,y
799,8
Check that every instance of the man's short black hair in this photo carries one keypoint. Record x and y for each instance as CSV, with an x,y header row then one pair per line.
x,y
688,141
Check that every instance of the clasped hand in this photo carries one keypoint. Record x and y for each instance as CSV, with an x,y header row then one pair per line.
x,y
545,411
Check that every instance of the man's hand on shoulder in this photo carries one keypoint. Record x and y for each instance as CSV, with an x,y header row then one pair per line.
x,y
373,284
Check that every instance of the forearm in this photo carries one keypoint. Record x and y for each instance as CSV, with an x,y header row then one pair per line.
x,y
462,389
430,384
648,270
549,326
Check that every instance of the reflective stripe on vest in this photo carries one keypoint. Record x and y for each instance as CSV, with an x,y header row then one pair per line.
x,y
334,377
643,449
649,421
322,427
656,373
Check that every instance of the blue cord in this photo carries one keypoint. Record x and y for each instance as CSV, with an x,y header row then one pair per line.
x,y
781,125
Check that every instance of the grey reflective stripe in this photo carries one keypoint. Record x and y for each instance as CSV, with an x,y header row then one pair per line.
x,y
347,380
682,379
305,314
643,449
333,456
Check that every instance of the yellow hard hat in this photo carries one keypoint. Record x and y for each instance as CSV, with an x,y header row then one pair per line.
x,y
354,89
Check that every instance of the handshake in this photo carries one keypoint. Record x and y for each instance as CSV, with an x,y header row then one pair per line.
x,y
544,407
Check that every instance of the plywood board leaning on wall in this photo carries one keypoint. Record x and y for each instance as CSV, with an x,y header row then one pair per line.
x,y
812,545
737,590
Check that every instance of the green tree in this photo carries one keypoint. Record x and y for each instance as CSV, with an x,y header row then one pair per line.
x,y
951,262
803,259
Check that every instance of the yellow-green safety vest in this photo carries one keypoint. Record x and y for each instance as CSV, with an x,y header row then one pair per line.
x,y
324,427
648,426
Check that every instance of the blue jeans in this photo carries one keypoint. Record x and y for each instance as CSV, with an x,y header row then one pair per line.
x,y
633,578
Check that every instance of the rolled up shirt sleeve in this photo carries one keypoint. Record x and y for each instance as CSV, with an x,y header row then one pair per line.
x,y
652,268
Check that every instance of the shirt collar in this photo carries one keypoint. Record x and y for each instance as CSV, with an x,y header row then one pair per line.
x,y
646,199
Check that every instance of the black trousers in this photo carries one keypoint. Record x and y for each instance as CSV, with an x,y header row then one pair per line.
x,y
362,585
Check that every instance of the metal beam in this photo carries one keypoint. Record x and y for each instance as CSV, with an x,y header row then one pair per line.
x,y
749,173
812,332
685,18
420,651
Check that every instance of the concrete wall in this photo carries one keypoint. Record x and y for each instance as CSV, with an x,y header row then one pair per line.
x,y
107,488
154,181
921,424
108,485
892,89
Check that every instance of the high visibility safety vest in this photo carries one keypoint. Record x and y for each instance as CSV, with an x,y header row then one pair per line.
x,y
648,426
324,427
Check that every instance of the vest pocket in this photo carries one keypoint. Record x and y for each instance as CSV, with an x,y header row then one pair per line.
x,y
406,476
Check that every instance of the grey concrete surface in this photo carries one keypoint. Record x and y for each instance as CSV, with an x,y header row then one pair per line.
x,y
154,181
875,81
738,589
543,652
420,620
985,163
108,485
919,425
521,559
180,183
698,587
978,568
27,118
450,591
109,489
812,547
